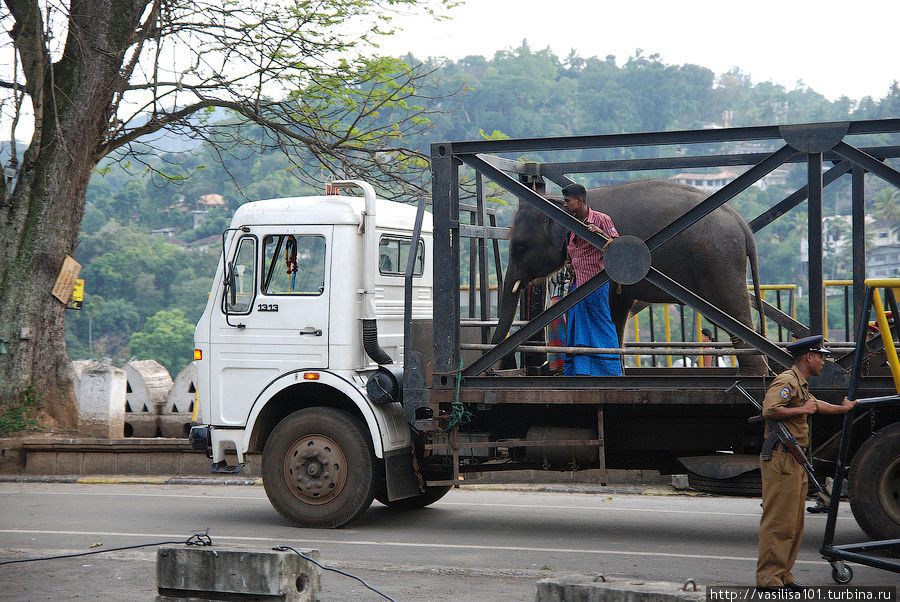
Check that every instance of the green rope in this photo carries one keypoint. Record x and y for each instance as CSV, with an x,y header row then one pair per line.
x,y
459,414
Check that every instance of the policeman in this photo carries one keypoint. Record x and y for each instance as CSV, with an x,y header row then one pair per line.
x,y
784,482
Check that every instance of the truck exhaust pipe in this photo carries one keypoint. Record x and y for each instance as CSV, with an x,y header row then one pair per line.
x,y
370,343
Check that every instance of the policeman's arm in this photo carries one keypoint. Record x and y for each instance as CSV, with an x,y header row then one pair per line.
x,y
830,408
783,412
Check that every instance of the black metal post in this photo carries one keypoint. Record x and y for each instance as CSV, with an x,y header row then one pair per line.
x,y
473,256
445,203
778,305
840,468
483,280
858,228
814,235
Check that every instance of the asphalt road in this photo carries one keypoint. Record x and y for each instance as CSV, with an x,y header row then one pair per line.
x,y
482,544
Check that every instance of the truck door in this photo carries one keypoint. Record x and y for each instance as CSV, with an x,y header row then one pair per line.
x,y
277,321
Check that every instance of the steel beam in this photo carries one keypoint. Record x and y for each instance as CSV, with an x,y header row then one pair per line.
x,y
445,205
551,170
797,197
874,126
814,242
548,208
858,229
538,323
721,196
722,319
869,162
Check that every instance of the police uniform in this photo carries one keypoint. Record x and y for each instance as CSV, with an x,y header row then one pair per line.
x,y
784,480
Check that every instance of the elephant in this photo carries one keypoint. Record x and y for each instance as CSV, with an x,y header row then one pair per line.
x,y
709,258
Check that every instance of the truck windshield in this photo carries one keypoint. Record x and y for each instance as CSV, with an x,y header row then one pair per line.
x,y
293,265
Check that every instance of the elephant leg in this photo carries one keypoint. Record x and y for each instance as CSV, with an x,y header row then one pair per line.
x,y
748,365
620,310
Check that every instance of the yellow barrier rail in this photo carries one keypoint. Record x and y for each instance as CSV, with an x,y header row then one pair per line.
x,y
892,285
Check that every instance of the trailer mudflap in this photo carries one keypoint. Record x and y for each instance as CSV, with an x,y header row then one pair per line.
x,y
400,475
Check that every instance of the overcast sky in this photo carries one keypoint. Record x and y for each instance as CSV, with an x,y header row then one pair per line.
x,y
835,48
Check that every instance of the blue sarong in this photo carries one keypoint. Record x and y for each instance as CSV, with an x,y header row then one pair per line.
x,y
590,325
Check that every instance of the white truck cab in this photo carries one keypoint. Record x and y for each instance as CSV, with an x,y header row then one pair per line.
x,y
307,301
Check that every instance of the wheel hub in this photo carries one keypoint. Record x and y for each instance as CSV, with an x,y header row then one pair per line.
x,y
889,490
315,469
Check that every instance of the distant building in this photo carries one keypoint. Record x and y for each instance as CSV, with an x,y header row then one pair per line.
x,y
883,232
211,201
164,232
707,182
205,243
883,262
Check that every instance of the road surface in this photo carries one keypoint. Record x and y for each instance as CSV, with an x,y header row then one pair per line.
x,y
483,544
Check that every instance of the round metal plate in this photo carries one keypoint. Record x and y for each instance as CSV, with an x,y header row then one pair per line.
x,y
627,259
315,469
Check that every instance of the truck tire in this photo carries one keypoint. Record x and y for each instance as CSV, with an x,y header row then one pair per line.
x,y
317,468
426,498
874,484
748,484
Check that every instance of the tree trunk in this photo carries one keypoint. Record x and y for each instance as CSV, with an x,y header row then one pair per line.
x,y
40,221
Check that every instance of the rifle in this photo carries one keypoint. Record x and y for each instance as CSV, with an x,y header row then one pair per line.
x,y
779,432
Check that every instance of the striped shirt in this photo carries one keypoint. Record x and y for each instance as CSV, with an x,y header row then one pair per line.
x,y
587,260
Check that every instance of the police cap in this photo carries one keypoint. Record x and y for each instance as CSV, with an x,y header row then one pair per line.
x,y
807,344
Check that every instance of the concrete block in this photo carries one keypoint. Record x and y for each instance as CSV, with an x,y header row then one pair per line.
x,y
583,588
195,464
40,462
180,399
100,390
99,463
175,425
164,462
131,463
144,424
148,384
68,462
236,573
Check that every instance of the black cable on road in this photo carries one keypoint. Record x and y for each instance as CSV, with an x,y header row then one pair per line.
x,y
328,568
197,539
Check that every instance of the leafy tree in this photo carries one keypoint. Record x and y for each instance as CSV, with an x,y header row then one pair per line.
x,y
100,77
168,338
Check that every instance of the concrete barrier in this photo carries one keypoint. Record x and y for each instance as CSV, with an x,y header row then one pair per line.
x,y
236,573
100,391
148,384
583,588
175,415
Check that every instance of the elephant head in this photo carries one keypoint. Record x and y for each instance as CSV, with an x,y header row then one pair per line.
x,y
537,248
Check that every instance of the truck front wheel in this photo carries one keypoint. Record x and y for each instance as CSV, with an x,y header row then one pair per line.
x,y
875,484
317,468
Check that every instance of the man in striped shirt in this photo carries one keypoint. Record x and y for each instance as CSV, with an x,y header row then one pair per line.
x,y
589,322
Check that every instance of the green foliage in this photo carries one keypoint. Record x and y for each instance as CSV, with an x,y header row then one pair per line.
x,y
22,416
132,276
168,338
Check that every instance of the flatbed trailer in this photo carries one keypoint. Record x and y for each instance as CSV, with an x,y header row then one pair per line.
x,y
649,418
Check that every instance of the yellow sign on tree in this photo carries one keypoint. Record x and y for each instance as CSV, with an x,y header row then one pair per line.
x,y
77,294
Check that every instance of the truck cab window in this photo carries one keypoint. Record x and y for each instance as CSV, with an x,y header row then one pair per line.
x,y
293,265
393,253
244,267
